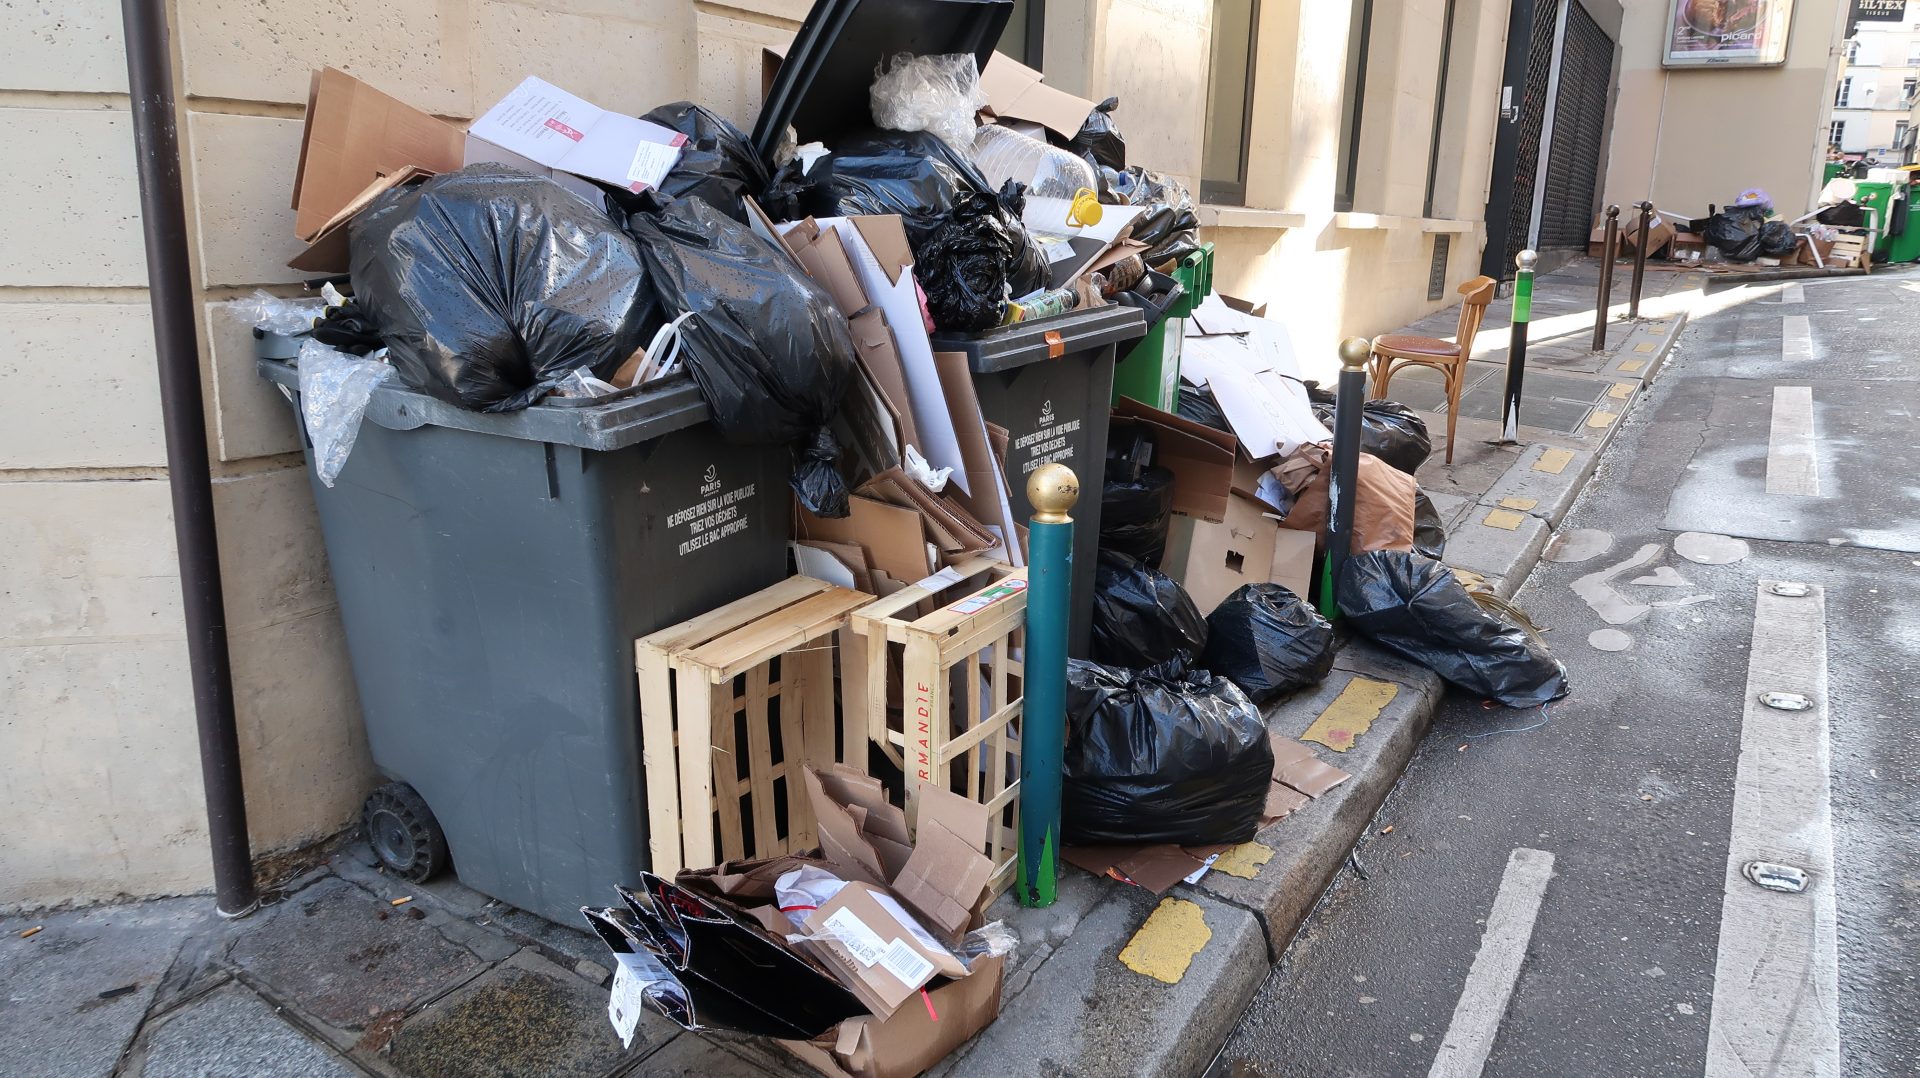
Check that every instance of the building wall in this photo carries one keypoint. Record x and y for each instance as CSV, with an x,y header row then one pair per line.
x,y
1686,138
97,743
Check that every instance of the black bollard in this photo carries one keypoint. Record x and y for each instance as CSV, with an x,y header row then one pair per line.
x,y
1609,251
1517,348
1343,481
1640,258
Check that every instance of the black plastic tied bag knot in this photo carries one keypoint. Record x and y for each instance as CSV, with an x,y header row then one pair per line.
x,y
1416,607
1268,641
771,354
718,163
490,285
1099,140
1142,617
1161,755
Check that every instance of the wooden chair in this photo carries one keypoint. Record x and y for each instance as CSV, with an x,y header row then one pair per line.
x,y
1394,352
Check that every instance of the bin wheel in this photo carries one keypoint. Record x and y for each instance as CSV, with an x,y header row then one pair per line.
x,y
403,833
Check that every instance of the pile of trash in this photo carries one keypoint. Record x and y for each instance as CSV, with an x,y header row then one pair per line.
x,y
1848,227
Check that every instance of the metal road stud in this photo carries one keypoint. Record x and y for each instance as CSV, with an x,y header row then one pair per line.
x,y
1052,489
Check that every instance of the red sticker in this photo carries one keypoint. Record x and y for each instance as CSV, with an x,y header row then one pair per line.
x,y
565,130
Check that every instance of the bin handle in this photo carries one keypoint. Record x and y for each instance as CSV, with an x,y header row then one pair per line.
x,y
1056,344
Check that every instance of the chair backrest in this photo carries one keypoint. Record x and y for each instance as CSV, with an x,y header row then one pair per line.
x,y
1478,293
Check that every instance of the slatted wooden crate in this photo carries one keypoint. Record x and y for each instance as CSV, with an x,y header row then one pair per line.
x,y
732,704
942,690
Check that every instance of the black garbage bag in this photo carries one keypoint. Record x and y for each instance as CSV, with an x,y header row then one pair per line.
x,y
1388,429
1170,232
1415,606
971,251
1429,535
1135,511
1198,404
1734,233
718,163
1268,641
1844,215
771,353
1099,140
490,285
1777,239
1161,756
1141,616
349,328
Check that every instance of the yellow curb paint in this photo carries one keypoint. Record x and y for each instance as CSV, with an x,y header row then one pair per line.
x,y
1244,860
1351,713
1553,461
1601,419
1629,366
1646,346
1505,519
1621,390
1522,504
1164,947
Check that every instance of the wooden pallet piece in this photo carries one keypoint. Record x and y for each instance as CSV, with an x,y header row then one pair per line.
x,y
690,711
960,714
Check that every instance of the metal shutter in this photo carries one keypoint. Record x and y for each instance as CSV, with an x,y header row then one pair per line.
x,y
1579,120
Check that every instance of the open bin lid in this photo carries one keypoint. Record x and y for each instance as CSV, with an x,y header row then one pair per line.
x,y
650,414
823,82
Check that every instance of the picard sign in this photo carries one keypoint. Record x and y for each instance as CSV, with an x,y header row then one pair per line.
x,y
1879,10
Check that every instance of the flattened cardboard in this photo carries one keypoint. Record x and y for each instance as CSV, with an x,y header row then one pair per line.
x,y
354,136
1016,90
948,523
1295,765
1201,459
895,539
873,983
1152,868
912,1040
1292,561
1283,801
948,869
986,492
861,832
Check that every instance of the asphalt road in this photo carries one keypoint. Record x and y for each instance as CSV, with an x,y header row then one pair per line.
x,y
1631,782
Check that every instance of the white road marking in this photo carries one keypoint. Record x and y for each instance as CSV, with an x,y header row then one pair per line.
x,y
1793,293
1775,983
1496,968
1792,468
1796,338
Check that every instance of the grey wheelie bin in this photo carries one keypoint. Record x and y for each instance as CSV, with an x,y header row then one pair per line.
x,y
493,571
1049,381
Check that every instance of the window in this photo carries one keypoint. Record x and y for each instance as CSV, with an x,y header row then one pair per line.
x,y
1439,105
1353,101
1846,91
1913,53
1853,51
1837,134
1021,38
1223,153
1907,88
1900,135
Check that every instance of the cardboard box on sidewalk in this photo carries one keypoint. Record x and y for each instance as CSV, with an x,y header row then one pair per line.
x,y
1212,560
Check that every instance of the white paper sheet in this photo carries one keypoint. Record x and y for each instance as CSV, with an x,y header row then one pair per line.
x,y
822,565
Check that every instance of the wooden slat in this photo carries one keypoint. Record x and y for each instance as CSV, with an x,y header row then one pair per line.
x,y
696,700
726,769
999,720
766,835
923,716
816,745
879,651
890,607
722,620
657,755
946,618
976,685
734,653
855,684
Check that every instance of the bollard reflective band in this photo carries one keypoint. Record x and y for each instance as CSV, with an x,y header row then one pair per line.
x,y
1523,296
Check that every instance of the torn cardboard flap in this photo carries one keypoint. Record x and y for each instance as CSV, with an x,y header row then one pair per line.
x,y
354,136
1016,90
948,871
861,832
1153,868
1201,459
881,957
1297,766
913,1039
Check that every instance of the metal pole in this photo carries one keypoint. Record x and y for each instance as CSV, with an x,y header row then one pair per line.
x,y
1640,257
1344,480
1517,347
1609,251
1052,489
183,416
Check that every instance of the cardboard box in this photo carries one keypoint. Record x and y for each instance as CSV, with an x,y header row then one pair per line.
x,y
1659,230
865,941
549,132
1201,459
1814,251
1015,90
357,143
1212,560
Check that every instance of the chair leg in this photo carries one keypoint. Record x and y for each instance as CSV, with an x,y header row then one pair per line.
x,y
1382,375
1456,376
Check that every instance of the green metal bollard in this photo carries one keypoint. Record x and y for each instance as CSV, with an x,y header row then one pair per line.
x,y
1052,489
1517,348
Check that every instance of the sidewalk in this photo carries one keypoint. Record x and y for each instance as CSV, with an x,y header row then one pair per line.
x,y
332,978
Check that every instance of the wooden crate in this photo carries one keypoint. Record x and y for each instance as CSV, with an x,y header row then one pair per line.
x,y
732,703
941,692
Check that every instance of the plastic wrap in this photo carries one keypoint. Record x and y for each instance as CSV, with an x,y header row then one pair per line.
x,y
1268,641
287,317
771,353
938,94
1046,171
1142,617
1161,756
489,284
334,390
1416,607
717,164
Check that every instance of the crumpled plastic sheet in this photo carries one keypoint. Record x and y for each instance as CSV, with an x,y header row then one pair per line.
x,y
287,317
939,94
334,390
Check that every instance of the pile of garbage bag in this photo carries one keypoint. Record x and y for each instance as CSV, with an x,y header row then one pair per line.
x,y
1141,616
1268,641
1136,509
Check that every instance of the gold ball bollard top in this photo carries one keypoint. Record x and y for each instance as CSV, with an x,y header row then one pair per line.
x,y
1052,489
1354,352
